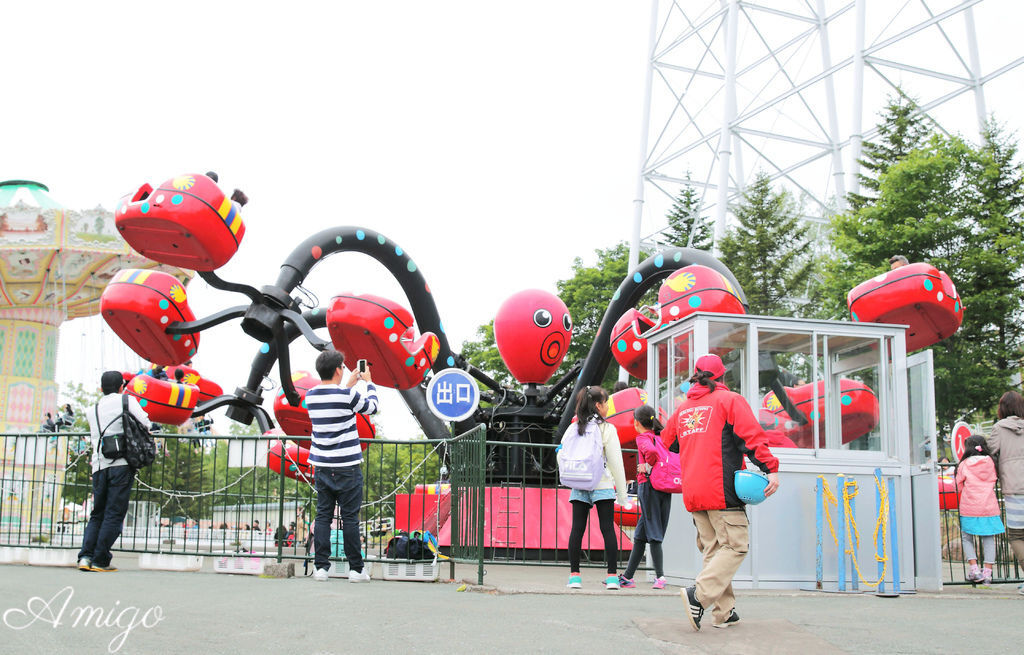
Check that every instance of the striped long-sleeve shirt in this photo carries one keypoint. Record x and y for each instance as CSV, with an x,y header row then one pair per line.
x,y
332,410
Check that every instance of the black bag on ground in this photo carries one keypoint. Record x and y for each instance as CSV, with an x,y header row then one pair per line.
x,y
139,447
402,546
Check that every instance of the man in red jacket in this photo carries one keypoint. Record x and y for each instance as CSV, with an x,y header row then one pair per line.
x,y
716,429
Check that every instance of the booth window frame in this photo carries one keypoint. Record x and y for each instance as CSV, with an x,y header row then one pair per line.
x,y
865,345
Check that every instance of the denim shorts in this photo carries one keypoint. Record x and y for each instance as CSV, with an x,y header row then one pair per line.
x,y
591,497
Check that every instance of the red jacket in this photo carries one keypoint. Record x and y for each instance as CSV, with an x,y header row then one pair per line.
x,y
715,430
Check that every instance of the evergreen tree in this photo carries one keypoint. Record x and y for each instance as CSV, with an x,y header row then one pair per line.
x,y
958,208
768,251
900,131
686,227
996,257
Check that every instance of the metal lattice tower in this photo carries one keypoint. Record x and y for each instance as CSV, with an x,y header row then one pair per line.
x,y
794,87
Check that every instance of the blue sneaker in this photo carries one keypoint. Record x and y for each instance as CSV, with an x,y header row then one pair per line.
x,y
575,582
611,582
626,583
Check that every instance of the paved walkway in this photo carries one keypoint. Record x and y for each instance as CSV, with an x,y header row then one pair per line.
x,y
519,610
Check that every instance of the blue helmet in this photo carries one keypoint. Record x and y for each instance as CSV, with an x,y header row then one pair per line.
x,y
750,486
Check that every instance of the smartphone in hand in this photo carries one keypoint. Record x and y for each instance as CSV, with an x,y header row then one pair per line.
x,y
361,366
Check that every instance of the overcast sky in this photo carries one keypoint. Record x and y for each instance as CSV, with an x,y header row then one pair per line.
x,y
493,141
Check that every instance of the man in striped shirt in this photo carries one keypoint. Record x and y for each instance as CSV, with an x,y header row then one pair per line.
x,y
336,454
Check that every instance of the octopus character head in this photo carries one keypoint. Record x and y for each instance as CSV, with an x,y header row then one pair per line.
x,y
533,330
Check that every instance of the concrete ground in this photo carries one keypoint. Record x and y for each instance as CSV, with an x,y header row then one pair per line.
x,y
519,610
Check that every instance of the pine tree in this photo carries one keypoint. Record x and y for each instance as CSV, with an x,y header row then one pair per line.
x,y
997,255
686,227
768,251
900,131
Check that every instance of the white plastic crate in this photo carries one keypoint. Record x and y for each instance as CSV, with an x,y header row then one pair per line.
x,y
340,569
52,557
417,571
239,565
166,562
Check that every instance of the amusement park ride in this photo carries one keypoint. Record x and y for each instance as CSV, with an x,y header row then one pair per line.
x,y
188,221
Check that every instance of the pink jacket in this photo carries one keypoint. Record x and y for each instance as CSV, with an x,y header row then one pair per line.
x,y
976,481
646,454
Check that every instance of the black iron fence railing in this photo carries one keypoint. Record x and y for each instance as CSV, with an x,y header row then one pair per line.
x,y
214,495
1005,569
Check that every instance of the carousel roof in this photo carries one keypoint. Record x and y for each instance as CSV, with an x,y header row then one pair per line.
x,y
55,262
13,191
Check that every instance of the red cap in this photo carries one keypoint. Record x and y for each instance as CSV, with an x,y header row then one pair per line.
x,y
712,364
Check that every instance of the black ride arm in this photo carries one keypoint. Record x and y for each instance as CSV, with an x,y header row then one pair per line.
x,y
398,262
645,276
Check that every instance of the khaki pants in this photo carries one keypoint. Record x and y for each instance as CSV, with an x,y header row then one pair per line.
x,y
723,538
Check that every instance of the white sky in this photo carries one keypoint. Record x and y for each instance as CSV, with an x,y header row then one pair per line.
x,y
493,141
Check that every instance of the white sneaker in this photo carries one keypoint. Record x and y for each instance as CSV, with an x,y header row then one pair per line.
x,y
320,575
362,576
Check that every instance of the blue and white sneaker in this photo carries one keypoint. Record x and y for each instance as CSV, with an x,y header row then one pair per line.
x,y
611,582
575,582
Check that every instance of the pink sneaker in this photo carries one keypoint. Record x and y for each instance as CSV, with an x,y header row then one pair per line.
x,y
659,583
974,575
986,576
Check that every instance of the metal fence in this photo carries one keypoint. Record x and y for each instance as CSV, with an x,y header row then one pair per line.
x,y
215,495
1006,567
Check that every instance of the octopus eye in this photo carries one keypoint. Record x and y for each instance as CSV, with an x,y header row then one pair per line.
x,y
567,323
542,318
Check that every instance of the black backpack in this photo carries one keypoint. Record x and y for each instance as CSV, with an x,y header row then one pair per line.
x,y
402,546
139,447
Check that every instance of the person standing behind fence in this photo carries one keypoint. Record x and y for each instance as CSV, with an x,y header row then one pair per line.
x,y
1006,444
111,478
716,428
591,406
336,454
654,504
979,508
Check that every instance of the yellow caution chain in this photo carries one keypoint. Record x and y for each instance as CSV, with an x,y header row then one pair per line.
x,y
850,490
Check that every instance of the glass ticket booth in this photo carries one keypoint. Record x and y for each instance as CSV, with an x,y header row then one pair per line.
x,y
834,397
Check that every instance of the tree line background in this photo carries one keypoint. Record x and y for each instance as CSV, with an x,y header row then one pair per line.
x,y
927,195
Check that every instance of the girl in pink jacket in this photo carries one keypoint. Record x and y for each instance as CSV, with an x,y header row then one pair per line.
x,y
979,508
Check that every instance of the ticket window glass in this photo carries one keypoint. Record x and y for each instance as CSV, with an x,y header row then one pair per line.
x,y
785,369
675,358
857,381
728,340
809,388
921,395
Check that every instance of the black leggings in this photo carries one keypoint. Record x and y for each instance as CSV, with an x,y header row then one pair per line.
x,y
605,513
638,552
